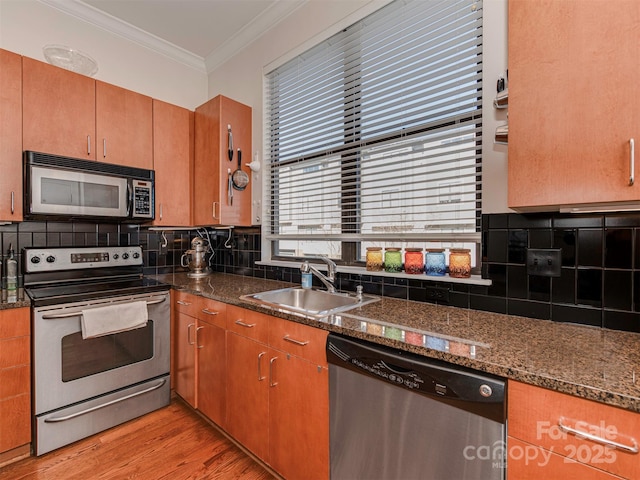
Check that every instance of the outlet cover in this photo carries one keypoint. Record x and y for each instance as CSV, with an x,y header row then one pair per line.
x,y
544,262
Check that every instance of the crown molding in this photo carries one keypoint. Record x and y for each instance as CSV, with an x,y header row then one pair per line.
x,y
125,30
278,11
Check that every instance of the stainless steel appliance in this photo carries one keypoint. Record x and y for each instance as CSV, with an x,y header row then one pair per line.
x,y
82,383
64,188
394,415
196,258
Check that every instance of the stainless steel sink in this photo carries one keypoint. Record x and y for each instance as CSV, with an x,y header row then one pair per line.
x,y
315,303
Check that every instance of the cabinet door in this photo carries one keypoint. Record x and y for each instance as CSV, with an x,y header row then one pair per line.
x,y
569,126
15,380
173,164
124,126
59,111
10,136
185,358
248,393
211,372
298,417
213,204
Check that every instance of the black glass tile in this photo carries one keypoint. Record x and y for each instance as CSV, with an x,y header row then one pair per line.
x,y
33,227
498,276
526,308
564,287
395,291
498,220
517,246
617,289
540,238
517,282
529,221
574,314
566,240
578,221
589,287
458,299
618,248
488,304
636,291
540,288
627,321
622,220
497,246
589,248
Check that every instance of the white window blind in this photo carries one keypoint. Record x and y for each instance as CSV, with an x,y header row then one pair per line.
x,y
375,134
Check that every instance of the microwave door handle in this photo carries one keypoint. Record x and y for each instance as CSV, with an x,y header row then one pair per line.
x,y
129,198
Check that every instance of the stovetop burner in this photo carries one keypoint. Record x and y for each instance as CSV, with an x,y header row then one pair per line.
x,y
66,275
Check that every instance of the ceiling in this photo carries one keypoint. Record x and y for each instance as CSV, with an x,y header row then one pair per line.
x,y
201,33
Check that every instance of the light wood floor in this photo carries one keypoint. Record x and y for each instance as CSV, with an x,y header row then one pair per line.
x,y
173,443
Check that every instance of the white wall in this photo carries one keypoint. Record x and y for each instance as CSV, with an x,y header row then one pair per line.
x,y
241,77
27,25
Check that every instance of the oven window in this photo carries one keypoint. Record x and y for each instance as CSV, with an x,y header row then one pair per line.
x,y
83,358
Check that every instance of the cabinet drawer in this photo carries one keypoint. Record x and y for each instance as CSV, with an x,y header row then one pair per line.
x,y
213,312
248,323
15,381
187,303
540,417
15,322
530,462
15,422
298,339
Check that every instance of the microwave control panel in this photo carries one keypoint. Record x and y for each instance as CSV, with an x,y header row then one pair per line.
x,y
142,199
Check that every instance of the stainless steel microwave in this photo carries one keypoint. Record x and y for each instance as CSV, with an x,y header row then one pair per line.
x,y
58,188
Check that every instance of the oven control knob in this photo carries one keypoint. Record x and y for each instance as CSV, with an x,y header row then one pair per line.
x,y
125,255
116,256
136,255
35,260
51,259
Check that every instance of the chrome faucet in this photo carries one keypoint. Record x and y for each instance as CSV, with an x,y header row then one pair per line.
x,y
326,279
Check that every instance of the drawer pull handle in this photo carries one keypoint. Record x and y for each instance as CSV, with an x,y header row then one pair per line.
x,y
632,161
287,338
209,312
595,438
242,324
181,302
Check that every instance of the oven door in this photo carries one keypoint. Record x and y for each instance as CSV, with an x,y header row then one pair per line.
x,y
55,191
68,369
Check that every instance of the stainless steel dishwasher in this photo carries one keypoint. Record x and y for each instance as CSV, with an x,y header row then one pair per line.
x,y
396,415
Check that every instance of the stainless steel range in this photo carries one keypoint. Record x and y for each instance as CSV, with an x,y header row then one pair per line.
x,y
101,341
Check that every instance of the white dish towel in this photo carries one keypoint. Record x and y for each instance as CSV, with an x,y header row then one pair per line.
x,y
100,321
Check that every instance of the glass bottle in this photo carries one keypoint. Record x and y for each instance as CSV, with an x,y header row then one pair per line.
x,y
374,259
435,264
459,263
413,260
392,260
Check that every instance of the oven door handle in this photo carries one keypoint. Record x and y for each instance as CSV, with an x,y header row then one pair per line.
x,y
57,316
98,407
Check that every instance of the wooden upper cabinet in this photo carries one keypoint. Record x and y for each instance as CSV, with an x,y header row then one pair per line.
x,y
215,201
10,136
573,102
124,126
59,111
173,164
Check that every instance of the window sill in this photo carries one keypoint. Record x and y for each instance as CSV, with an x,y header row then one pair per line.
x,y
473,280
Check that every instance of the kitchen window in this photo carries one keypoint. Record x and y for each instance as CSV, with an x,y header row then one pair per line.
x,y
374,136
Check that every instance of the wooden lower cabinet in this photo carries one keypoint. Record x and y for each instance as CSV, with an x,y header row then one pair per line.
x,y
298,417
248,393
15,380
536,420
185,358
211,361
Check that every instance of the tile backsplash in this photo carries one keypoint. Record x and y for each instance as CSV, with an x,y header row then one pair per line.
x,y
599,283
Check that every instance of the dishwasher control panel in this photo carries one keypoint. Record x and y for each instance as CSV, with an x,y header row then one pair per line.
x,y
413,372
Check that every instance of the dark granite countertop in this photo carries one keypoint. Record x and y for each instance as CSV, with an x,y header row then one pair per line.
x,y
21,300
593,363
